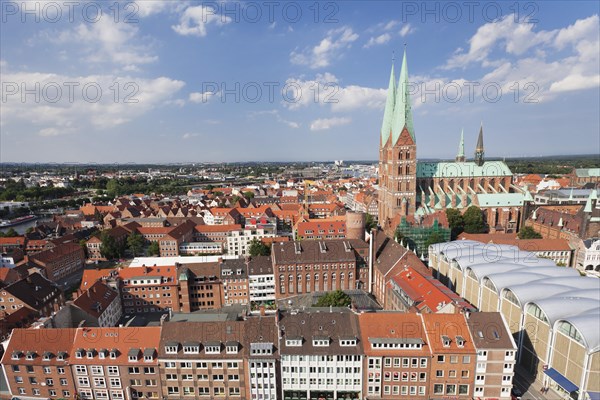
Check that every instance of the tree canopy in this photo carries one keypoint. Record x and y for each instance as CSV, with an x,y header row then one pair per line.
x,y
153,249
473,218
456,222
335,299
135,242
258,248
528,232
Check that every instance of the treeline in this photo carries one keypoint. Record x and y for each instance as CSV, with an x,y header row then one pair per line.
x,y
17,191
551,166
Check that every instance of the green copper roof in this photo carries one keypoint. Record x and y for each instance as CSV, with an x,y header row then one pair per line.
x,y
500,199
389,108
402,112
461,145
467,169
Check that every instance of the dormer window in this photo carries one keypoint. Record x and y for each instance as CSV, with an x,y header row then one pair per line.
x,y
149,355
261,348
61,356
102,354
293,342
460,341
191,348
16,355
46,356
113,354
79,353
212,348
171,348
347,342
231,347
133,355
445,341
89,353
30,355
320,341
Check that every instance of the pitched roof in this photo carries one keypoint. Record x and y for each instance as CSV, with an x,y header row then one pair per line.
x,y
489,331
96,299
34,290
392,326
122,339
449,325
40,341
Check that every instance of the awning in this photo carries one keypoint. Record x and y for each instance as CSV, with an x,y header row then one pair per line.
x,y
561,380
594,395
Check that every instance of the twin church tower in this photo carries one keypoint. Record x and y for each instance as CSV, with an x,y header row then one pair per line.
x,y
408,187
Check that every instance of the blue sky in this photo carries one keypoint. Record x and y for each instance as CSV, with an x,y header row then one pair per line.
x,y
177,81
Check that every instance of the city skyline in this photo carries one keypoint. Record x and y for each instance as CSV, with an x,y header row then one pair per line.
x,y
182,62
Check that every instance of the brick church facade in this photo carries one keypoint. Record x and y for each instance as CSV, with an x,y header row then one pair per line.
x,y
412,189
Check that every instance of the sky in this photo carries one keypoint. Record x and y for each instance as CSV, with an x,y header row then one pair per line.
x,y
182,81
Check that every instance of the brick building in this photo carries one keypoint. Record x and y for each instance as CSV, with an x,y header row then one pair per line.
x,y
61,261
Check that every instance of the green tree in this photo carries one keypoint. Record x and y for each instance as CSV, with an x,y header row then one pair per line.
x,y
370,222
249,195
98,216
10,233
434,237
153,249
258,248
113,188
83,245
473,218
528,233
109,248
335,299
456,222
135,242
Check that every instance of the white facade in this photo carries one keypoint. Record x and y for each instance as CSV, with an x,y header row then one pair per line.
x,y
200,248
112,314
239,241
262,287
591,259
262,371
332,373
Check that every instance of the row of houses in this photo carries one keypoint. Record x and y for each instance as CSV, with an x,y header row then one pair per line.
x,y
332,354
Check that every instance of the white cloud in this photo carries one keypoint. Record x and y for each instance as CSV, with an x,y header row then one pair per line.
x,y
322,124
60,110
564,59
406,30
201,97
195,20
107,40
53,132
278,117
146,8
381,39
325,90
328,49
187,136
575,82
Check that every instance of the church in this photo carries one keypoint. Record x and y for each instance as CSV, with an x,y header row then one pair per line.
x,y
413,189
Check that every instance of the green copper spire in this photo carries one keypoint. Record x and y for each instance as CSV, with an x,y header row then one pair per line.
x,y
460,157
402,113
389,108
479,152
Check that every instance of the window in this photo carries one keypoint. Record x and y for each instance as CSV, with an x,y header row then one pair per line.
x,y
112,370
466,359
439,373
423,363
213,349
453,359
172,349
149,370
80,370
134,370
450,389
115,382
96,370
441,359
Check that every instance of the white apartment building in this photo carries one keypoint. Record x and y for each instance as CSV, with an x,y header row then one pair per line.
x,y
239,241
